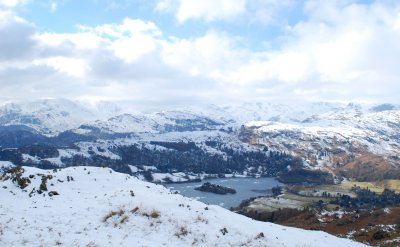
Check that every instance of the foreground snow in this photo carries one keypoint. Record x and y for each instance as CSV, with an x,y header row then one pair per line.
x,y
99,207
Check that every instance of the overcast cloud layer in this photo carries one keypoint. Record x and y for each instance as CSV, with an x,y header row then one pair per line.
x,y
337,50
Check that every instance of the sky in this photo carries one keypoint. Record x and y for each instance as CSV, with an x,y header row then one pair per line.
x,y
200,51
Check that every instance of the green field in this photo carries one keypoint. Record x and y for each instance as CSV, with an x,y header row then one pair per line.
x,y
299,196
377,187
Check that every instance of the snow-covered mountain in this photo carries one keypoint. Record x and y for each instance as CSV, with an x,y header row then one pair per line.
x,y
159,122
58,115
53,116
88,206
48,116
344,139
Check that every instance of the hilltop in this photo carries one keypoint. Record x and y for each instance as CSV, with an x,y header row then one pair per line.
x,y
88,206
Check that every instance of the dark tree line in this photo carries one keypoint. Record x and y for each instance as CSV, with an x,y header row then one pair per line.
x,y
167,157
367,199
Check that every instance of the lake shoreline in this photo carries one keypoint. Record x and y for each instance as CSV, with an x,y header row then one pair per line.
x,y
246,187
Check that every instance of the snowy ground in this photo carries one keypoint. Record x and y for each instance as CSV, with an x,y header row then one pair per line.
x,y
99,207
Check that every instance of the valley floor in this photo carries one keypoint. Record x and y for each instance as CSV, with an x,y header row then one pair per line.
x,y
314,208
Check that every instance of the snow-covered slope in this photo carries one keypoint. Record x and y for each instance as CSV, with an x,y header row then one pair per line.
x,y
337,137
98,207
158,122
51,117
46,116
5,165
57,115
333,136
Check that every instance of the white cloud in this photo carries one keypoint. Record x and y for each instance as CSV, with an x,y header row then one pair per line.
x,y
264,11
122,64
340,52
83,40
270,12
135,26
131,39
132,48
287,67
73,67
12,3
343,51
396,25
17,35
209,10
348,44
208,55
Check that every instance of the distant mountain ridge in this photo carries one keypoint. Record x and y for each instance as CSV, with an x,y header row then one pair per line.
x,y
342,139
57,115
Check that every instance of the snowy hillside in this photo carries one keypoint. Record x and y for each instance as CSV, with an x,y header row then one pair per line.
x,y
340,138
158,122
84,206
47,116
344,139
58,115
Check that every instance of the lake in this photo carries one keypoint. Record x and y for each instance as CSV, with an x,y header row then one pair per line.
x,y
245,189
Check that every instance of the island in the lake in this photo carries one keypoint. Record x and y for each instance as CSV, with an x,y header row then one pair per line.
x,y
215,188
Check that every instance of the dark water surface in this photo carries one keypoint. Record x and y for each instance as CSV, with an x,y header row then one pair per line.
x,y
245,189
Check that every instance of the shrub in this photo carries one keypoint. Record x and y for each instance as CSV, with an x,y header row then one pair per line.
x,y
16,176
124,219
378,235
148,176
135,210
53,193
116,217
155,214
182,231
201,219
43,185
16,170
260,235
22,182
113,213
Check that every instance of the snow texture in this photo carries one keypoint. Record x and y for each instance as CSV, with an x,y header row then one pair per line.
x,y
99,207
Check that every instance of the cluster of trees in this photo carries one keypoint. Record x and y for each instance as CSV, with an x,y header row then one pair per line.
x,y
173,157
298,175
215,188
187,157
367,199
277,216
276,191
